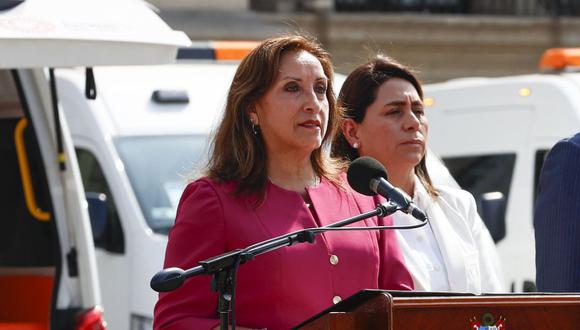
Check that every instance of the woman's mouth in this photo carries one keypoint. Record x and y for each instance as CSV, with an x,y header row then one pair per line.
x,y
312,124
414,142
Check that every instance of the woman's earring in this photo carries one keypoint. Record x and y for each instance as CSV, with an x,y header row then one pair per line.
x,y
355,145
255,129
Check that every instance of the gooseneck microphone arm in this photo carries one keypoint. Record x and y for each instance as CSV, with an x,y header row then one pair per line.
x,y
223,267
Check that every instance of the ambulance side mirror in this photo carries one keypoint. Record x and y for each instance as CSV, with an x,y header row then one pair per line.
x,y
492,208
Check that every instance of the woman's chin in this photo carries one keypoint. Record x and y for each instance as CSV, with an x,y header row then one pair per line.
x,y
401,162
312,144
413,157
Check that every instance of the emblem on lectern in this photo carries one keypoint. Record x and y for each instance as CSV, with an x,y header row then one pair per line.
x,y
488,322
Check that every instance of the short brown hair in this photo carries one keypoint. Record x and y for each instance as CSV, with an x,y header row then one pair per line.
x,y
359,91
240,155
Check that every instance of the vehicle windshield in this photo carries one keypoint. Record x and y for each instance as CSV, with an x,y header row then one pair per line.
x,y
159,168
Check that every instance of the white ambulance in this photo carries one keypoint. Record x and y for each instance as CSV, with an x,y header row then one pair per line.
x,y
493,135
48,274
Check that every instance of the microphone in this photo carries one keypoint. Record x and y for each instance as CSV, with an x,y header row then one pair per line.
x,y
168,279
369,177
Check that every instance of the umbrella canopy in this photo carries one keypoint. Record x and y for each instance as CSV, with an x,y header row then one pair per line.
x,y
67,33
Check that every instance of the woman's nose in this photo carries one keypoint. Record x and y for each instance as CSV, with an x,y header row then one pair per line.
x,y
412,121
312,102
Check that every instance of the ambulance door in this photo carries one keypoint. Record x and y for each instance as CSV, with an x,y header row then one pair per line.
x,y
29,245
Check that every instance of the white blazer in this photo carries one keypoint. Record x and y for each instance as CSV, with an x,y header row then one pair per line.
x,y
466,246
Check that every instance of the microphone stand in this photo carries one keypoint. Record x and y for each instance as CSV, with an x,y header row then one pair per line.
x,y
223,267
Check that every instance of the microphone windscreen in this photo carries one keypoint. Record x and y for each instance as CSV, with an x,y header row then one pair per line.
x,y
361,171
167,280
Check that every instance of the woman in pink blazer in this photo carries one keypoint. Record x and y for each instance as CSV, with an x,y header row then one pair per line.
x,y
268,176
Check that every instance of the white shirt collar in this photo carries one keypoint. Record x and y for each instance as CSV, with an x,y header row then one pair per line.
x,y
421,197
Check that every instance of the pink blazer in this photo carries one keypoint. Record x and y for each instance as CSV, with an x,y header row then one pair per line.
x,y
279,289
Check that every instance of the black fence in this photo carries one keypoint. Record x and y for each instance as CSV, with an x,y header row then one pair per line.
x,y
554,8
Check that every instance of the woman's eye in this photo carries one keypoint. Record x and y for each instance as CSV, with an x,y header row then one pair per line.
x,y
320,89
419,111
291,88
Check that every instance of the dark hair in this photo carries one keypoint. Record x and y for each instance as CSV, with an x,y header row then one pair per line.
x,y
359,91
239,154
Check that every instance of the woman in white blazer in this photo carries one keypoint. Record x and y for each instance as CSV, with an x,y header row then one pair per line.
x,y
384,118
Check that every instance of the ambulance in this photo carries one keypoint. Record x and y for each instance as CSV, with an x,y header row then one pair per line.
x,y
48,268
493,135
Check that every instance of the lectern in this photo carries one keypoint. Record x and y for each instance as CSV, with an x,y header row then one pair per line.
x,y
397,310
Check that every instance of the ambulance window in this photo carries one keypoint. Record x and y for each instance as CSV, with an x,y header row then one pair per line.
x,y
27,231
540,158
158,168
94,181
483,174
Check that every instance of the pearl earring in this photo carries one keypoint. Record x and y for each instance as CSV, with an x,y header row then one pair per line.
x,y
355,145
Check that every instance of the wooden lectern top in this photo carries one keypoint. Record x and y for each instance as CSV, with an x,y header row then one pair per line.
x,y
394,310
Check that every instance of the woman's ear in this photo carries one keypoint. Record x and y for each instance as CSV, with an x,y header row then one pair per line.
x,y
253,115
350,132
